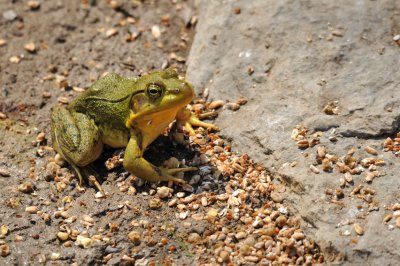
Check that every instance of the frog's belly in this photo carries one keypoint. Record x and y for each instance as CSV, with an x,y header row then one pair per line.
x,y
115,138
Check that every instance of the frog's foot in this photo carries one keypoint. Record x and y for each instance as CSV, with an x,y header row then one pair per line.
x,y
195,121
167,174
189,120
91,174
93,180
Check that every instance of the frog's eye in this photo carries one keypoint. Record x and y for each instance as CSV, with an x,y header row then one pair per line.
x,y
154,91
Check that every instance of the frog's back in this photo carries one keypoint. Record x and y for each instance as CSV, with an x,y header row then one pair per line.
x,y
107,100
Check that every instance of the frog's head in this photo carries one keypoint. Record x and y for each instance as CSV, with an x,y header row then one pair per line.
x,y
160,92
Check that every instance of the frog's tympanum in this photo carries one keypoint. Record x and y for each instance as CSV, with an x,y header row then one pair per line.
x,y
121,112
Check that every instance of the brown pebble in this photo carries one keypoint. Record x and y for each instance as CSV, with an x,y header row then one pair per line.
x,y
163,192
62,236
30,47
216,104
193,238
33,5
252,258
337,33
303,144
232,106
31,209
111,32
326,165
134,236
398,222
14,59
281,221
314,169
224,255
63,100
277,197
240,235
212,213
298,236
358,228
4,172
387,218
371,150
4,250
26,187
40,137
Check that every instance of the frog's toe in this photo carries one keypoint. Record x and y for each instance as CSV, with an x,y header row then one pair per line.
x,y
195,121
167,174
173,171
93,180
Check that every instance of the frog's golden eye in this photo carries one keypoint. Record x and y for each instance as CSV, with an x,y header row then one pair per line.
x,y
154,91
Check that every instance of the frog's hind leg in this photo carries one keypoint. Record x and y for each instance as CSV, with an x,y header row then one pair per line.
x,y
77,139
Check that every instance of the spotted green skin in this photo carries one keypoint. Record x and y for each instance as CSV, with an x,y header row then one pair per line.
x,y
121,112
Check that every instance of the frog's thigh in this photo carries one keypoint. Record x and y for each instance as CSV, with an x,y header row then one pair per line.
x,y
76,136
137,165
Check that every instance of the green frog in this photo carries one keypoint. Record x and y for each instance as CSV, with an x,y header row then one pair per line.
x,y
122,112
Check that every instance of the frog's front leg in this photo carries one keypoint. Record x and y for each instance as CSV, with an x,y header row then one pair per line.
x,y
188,119
76,138
137,165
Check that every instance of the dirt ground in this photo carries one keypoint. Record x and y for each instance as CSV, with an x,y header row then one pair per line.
x,y
52,51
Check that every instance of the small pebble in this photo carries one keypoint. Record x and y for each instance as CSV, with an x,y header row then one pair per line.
x,y
26,187
371,150
14,59
277,197
155,30
163,192
212,213
30,47
41,137
54,256
4,172
4,230
111,32
2,42
62,236
337,33
180,194
83,241
240,235
224,255
33,5
281,221
398,222
216,104
134,236
232,106
298,236
4,250
193,238
358,228
31,209
314,169
9,15
155,203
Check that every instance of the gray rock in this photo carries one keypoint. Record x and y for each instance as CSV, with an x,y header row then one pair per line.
x,y
9,15
305,54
